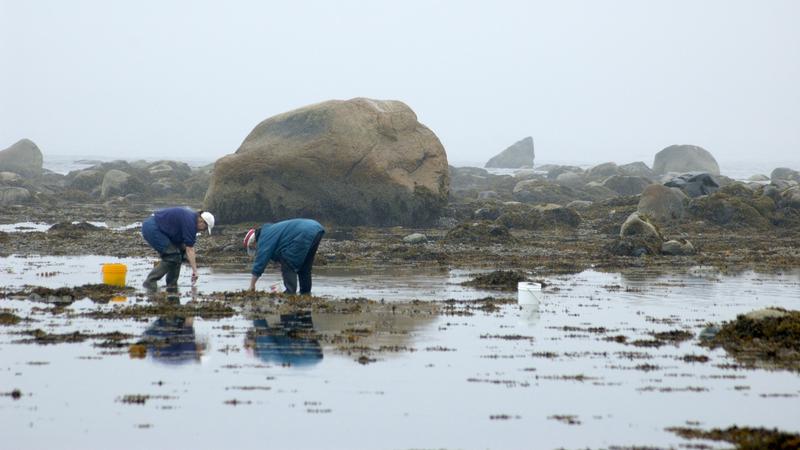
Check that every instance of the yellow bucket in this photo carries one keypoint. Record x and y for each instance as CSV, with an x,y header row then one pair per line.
x,y
114,274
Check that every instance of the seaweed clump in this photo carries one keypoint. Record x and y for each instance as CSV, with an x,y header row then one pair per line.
x,y
744,438
97,292
480,232
505,280
9,319
769,337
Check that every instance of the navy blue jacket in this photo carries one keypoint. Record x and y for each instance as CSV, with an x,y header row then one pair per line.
x,y
289,241
178,224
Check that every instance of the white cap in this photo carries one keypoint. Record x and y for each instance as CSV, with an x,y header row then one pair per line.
x,y
209,220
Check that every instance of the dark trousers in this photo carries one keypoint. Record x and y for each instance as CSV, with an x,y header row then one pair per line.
x,y
290,276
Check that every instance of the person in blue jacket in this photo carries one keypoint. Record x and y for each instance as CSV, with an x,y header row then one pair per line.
x,y
172,232
293,243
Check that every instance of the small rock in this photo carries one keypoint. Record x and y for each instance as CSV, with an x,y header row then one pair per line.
x,y
415,238
677,248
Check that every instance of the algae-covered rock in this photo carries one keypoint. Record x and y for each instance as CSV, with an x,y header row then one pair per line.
x,y
69,228
14,196
526,217
499,279
519,218
479,233
790,198
7,318
559,216
539,191
639,225
637,237
637,169
675,247
744,438
603,170
626,185
662,204
766,338
723,209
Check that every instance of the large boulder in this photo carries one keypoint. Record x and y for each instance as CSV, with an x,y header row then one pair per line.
x,y
517,156
359,161
790,198
10,179
662,204
685,158
694,184
169,170
602,171
14,196
24,158
119,183
196,186
727,210
637,169
571,179
85,180
784,173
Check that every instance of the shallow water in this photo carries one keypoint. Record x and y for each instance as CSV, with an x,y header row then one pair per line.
x,y
508,379
33,227
393,284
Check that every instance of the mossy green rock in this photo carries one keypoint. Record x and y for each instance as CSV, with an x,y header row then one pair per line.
x,y
723,209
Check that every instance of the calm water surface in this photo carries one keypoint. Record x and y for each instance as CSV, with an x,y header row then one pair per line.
x,y
509,379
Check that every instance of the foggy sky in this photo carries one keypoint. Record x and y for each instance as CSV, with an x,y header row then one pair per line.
x,y
591,81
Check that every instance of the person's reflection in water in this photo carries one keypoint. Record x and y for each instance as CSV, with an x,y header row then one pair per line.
x,y
171,340
289,343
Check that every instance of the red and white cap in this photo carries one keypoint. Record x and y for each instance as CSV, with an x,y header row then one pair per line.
x,y
250,238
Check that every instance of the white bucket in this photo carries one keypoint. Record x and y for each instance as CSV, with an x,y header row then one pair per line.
x,y
529,293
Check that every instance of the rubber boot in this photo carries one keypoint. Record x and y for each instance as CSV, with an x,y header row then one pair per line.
x,y
150,283
173,273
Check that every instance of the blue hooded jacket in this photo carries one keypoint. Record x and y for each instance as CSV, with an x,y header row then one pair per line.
x,y
289,241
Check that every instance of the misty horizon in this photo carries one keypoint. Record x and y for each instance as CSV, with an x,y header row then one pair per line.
x,y
590,81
